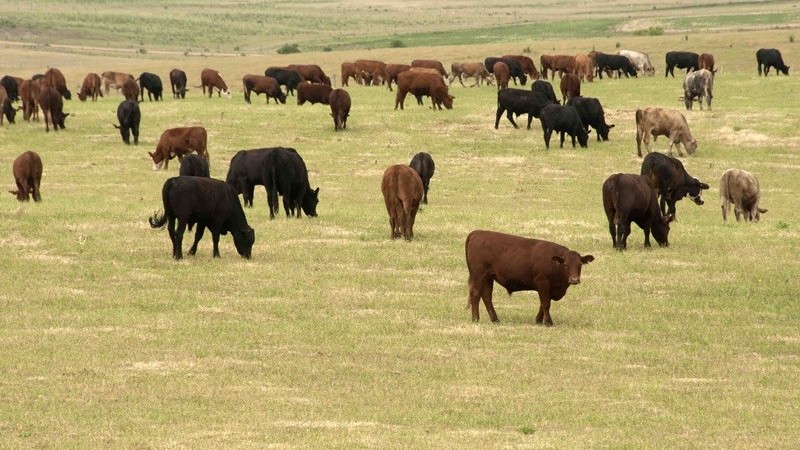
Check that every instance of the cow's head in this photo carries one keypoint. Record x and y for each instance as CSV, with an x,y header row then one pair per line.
x,y
582,135
67,94
571,263
58,119
603,130
9,111
81,94
158,159
226,93
448,101
244,240
694,191
691,146
310,201
660,229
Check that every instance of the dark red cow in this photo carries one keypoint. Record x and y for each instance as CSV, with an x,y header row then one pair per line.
x,y
630,198
178,142
28,176
402,193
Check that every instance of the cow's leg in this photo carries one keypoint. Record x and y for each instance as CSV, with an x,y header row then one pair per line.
x,y
646,229
530,119
22,189
548,132
486,294
177,251
573,139
623,229
737,210
726,206
475,287
612,229
198,234
215,240
544,305
272,202
37,197
510,116
562,140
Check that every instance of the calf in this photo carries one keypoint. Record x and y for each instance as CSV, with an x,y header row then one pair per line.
x,y
152,83
630,198
313,93
114,79
681,60
474,70
311,73
545,88
90,88
177,81
517,102
55,79
194,166
501,74
178,142
12,87
27,170
212,79
698,84
570,87
52,108
584,67
130,90
209,203
740,188
663,122
706,61
392,71
770,57
262,85
402,193
514,69
564,119
605,62
422,163
420,84
641,61
29,93
592,115
5,107
371,70
526,64
284,172
285,77
339,100
129,116
671,181
519,264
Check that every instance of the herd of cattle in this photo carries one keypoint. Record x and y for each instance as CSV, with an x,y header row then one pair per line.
x,y
516,263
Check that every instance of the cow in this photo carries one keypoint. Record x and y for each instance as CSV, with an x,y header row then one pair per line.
x,y
564,119
475,70
430,64
55,79
740,188
285,77
514,69
12,87
129,116
771,57
152,83
130,90
423,164
630,198
349,71
29,93
371,70
262,85
671,181
193,165
311,73
392,71
526,64
178,142
177,81
698,84
245,172
584,67
27,170
545,88
419,84
52,108
313,93
681,60
339,100
557,63
641,61
402,192
284,172
570,87
706,61
212,79
605,62
518,102
90,87
501,74
519,264
592,115
7,109
114,79
663,122
209,203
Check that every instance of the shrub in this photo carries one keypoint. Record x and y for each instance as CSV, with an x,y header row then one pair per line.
x,y
397,43
327,49
527,50
288,49
617,45
143,51
651,31
791,38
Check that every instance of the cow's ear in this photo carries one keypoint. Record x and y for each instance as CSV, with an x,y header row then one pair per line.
x,y
13,192
762,211
669,218
704,186
151,154
587,259
115,126
316,191
66,114
558,259
611,126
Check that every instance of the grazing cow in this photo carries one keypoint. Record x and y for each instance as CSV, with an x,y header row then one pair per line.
x,y
514,69
313,93
641,61
372,70
339,100
178,142
402,193
392,71
212,79
557,63
681,60
671,181
284,172
349,71
630,198
27,170
564,119
311,73
29,93
7,110
545,88
194,166
177,80
518,102
592,115
698,84
129,116
285,77
663,122
430,64
209,203
740,188
90,88
422,163
55,79
52,108
706,61
262,85
617,63
570,87
114,79
519,264
526,64
12,87
130,90
152,83
501,74
475,70
419,84
584,67
245,172
770,57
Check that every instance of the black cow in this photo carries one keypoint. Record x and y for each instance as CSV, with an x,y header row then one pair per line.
x,y
592,115
284,172
193,165
617,63
681,60
519,101
564,119
285,77
767,57
244,173
152,83
209,203
545,88
129,116
177,80
12,90
514,69
671,181
422,163
630,198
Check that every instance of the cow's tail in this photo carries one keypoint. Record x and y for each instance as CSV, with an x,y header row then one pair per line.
x,y
274,193
158,222
639,132
469,282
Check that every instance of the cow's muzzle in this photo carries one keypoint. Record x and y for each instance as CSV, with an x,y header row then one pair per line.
x,y
697,200
574,280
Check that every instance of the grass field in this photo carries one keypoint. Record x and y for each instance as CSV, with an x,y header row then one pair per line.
x,y
332,335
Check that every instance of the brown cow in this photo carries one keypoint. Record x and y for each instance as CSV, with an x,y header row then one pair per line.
x,y
178,142
570,86
27,171
114,79
262,85
663,122
371,70
419,84
348,71
211,78
584,67
130,90
527,65
706,61
430,64
313,93
340,108
740,188
5,107
402,193
29,92
557,63
90,87
311,72
474,70
392,71
501,74
631,198
52,108
55,79
519,264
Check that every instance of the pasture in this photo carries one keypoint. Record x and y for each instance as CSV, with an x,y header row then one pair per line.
x,y
333,335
